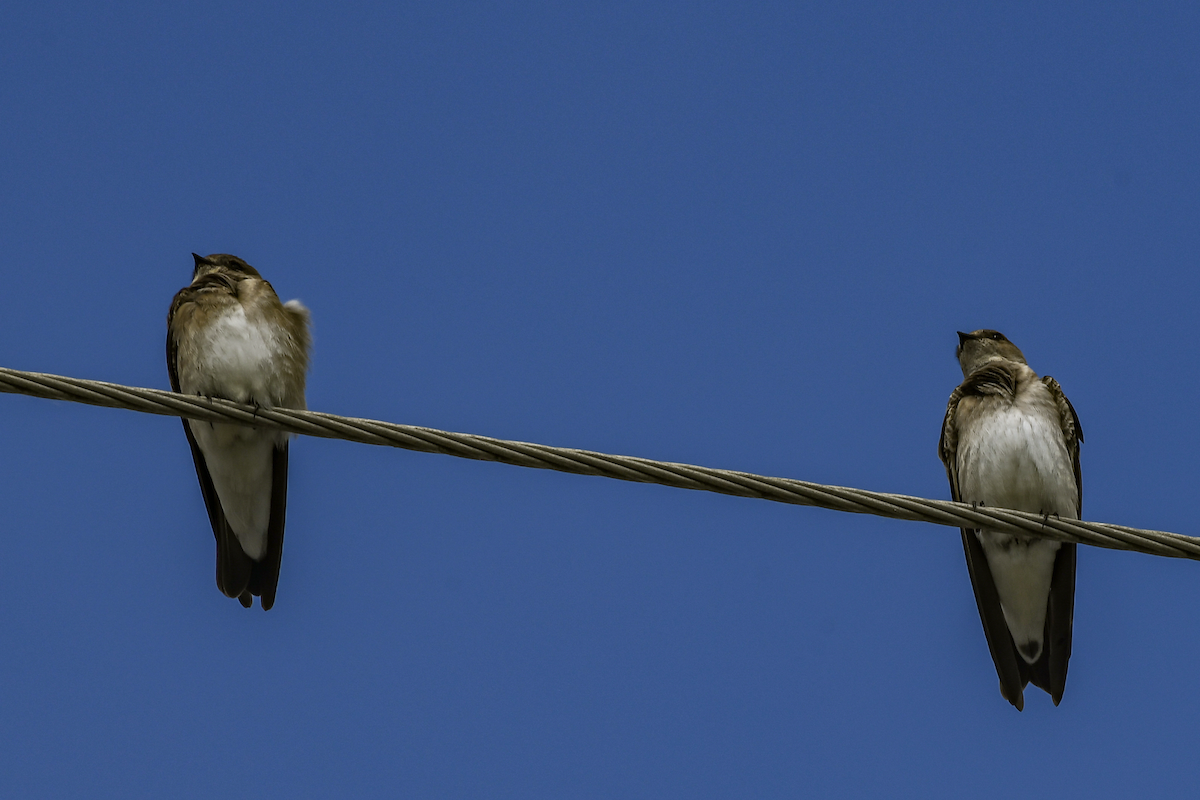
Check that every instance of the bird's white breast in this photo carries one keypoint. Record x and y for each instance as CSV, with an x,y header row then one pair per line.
x,y
237,358
1013,454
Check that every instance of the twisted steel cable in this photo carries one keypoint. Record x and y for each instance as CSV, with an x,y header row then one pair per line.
x,y
585,462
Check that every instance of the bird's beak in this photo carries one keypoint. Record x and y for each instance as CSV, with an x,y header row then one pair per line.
x,y
963,338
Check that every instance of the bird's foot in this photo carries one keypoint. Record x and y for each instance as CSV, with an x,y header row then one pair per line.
x,y
207,397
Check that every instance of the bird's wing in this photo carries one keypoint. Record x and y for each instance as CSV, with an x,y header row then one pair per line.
x,y
264,578
1000,643
1068,420
1060,612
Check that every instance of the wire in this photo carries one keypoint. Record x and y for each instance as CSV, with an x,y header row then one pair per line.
x,y
585,462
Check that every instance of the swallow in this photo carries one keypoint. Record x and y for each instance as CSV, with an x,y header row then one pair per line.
x,y
229,336
1011,439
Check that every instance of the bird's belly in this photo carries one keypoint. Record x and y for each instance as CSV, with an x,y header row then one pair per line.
x,y
240,463
1015,459
236,357
1022,568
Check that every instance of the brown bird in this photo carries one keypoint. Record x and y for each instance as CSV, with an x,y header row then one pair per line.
x,y
229,336
1011,439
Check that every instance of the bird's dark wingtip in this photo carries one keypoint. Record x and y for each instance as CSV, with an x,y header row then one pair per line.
x,y
1017,699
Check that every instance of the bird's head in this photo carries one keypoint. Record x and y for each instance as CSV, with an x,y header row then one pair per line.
x,y
233,266
977,348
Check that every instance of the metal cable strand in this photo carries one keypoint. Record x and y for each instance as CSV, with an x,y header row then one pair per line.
x,y
585,462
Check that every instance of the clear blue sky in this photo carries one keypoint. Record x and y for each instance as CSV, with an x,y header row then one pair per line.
x,y
741,236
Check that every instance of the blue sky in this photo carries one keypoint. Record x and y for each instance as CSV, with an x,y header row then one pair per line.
x,y
736,236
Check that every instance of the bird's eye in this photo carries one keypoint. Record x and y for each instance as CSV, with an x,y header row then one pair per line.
x,y
997,336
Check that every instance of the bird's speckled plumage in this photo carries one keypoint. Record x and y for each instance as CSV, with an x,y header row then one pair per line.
x,y
1011,439
229,336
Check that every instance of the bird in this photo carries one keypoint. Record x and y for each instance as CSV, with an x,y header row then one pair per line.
x,y
229,336
1011,439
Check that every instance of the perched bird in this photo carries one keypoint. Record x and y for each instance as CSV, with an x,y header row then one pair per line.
x,y
1011,439
229,336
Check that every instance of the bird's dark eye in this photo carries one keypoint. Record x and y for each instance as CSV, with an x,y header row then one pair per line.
x,y
997,336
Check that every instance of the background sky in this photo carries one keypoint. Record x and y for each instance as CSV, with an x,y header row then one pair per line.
x,y
739,235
